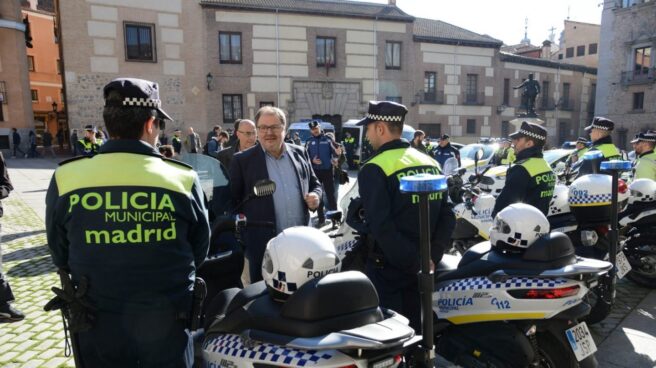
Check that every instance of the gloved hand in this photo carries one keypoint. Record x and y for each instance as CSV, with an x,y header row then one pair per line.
x,y
79,313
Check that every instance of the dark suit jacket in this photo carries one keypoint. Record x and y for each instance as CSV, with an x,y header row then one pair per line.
x,y
247,168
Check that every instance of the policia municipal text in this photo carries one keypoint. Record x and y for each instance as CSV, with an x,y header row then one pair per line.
x,y
131,241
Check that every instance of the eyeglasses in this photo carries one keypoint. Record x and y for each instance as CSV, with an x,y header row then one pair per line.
x,y
272,128
248,134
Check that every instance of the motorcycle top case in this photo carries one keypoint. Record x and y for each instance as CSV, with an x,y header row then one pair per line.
x,y
590,198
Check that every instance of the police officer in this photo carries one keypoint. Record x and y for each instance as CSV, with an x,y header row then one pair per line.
x,y
418,142
645,162
505,155
321,150
445,151
581,149
176,142
350,145
602,141
89,145
530,180
137,236
392,217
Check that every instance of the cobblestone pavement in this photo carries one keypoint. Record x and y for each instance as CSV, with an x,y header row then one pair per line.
x,y
38,341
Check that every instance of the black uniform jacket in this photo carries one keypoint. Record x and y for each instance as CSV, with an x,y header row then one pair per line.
x,y
132,222
393,217
522,187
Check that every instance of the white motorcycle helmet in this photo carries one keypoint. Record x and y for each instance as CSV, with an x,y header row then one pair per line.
x,y
296,256
642,190
517,227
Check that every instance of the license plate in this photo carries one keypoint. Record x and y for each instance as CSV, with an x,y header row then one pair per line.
x,y
623,265
581,341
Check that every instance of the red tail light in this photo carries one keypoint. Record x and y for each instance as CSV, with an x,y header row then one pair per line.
x,y
621,186
544,293
602,229
474,198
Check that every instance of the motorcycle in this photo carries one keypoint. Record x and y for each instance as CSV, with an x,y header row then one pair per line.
x,y
496,308
638,225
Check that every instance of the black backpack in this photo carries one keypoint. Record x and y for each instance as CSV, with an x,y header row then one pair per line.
x,y
206,151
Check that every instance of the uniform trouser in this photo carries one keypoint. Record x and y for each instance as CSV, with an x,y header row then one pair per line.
x,y
349,160
153,339
6,295
397,291
328,183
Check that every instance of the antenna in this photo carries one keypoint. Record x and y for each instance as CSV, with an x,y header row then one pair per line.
x,y
552,34
568,9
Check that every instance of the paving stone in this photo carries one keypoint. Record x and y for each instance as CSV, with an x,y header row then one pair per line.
x,y
33,363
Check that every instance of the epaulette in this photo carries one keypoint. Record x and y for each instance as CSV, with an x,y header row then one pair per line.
x,y
177,162
72,159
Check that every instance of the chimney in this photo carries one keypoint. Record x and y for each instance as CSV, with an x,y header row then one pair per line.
x,y
546,50
391,2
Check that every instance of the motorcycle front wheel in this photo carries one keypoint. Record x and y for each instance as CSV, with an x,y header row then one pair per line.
x,y
640,249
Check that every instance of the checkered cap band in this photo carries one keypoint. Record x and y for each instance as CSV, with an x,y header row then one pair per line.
x,y
590,199
646,138
233,346
483,283
141,102
280,283
595,126
532,135
391,118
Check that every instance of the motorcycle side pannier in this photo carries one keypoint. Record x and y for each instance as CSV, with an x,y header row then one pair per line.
x,y
590,198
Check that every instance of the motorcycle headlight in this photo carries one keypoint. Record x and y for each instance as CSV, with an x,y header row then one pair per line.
x,y
589,237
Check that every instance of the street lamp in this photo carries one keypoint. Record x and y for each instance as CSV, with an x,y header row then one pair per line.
x,y
209,78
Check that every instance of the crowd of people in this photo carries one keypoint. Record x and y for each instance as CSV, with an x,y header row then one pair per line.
x,y
138,274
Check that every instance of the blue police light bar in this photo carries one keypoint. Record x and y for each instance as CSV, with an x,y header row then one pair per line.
x,y
618,165
593,155
423,183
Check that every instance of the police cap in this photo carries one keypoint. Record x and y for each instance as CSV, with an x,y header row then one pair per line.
x,y
313,124
644,137
90,128
582,140
387,111
531,130
136,93
600,122
444,137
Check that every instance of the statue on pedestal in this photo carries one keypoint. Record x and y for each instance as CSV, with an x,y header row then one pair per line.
x,y
531,90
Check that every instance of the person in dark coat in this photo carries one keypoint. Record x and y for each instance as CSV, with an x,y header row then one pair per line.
x,y
298,190
16,141
7,312
445,151
246,138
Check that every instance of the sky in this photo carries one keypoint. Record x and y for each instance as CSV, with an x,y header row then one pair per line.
x,y
504,19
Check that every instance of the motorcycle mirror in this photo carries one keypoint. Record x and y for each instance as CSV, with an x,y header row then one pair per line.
x,y
264,187
462,171
487,180
450,166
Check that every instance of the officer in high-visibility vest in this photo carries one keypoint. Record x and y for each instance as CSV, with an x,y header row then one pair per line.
x,y
530,180
350,145
392,217
505,155
89,145
131,241
176,142
645,163
580,150
602,141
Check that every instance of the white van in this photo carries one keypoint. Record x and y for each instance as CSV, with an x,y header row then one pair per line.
x,y
359,134
303,129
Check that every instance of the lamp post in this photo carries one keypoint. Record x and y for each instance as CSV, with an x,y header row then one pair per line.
x,y
209,77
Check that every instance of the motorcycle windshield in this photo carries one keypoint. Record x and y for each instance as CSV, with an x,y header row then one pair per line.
x,y
213,180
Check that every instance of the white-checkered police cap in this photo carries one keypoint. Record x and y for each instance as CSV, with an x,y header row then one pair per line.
x,y
531,130
602,123
139,93
387,111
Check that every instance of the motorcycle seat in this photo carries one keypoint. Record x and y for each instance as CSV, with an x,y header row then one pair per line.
x,y
332,303
551,251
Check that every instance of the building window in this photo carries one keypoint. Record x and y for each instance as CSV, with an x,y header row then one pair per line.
x,y
326,52
35,95
30,63
392,55
545,95
592,49
431,130
3,93
566,103
231,108
569,52
471,89
505,128
560,56
506,91
580,50
430,80
266,103
140,42
642,60
397,99
58,66
230,47
638,100
563,132
471,126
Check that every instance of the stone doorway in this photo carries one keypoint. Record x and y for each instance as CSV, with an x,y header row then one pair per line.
x,y
334,102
